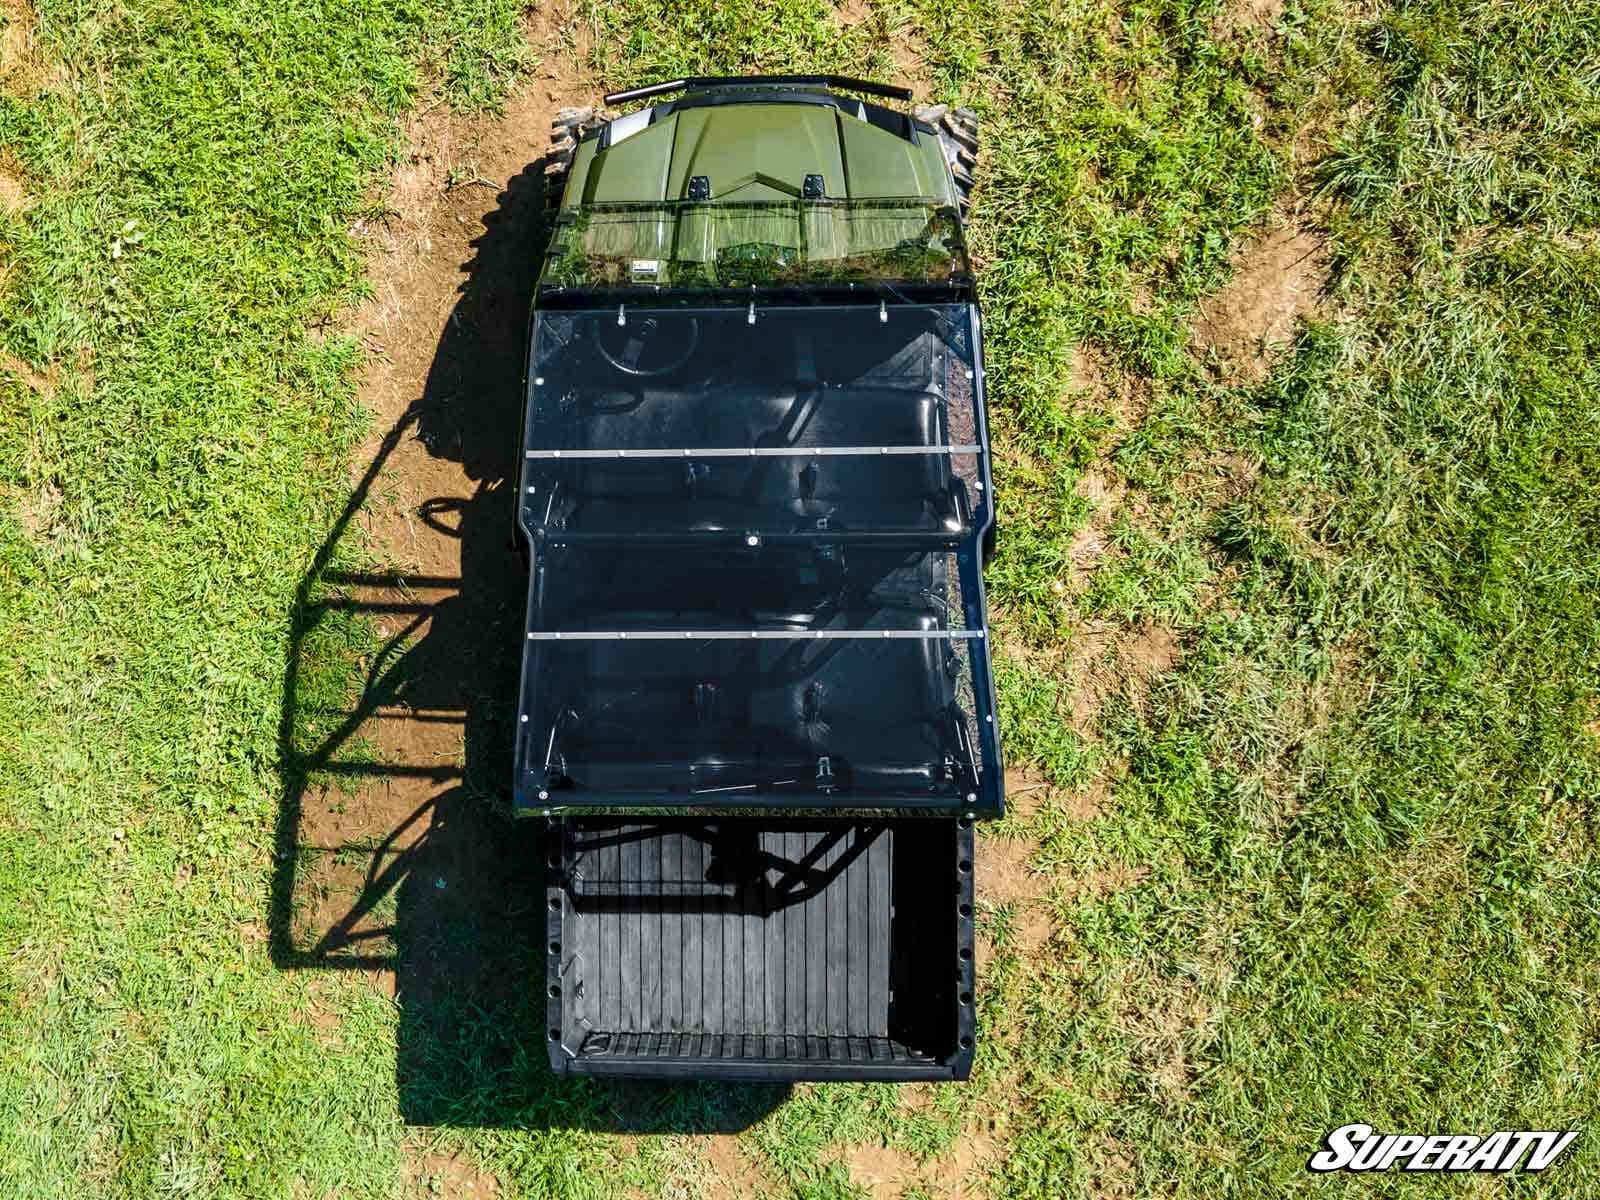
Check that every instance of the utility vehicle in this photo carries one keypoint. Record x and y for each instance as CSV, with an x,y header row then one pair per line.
x,y
756,707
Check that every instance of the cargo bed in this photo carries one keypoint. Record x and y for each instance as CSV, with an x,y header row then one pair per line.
x,y
761,949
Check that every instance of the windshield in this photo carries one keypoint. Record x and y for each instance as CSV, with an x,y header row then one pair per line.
x,y
722,244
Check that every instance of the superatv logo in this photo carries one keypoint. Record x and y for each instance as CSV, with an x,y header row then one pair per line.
x,y
1358,1148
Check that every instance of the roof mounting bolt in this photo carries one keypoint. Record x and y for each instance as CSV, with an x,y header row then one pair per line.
x,y
752,540
750,317
883,312
538,381
972,798
622,319
543,795
524,718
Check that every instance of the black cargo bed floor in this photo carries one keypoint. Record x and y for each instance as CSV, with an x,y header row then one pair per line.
x,y
775,948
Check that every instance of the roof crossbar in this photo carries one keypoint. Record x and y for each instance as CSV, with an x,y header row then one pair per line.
x,y
755,451
726,635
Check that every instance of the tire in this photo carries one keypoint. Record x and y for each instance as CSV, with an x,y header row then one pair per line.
x,y
565,131
958,138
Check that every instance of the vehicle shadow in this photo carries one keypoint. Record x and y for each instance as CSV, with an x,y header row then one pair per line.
x,y
396,853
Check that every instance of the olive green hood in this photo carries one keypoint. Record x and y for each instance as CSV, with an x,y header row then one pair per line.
x,y
753,152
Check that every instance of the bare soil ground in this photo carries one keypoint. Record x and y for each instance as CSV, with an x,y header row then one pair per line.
x,y
886,1173
727,1173
453,259
1278,279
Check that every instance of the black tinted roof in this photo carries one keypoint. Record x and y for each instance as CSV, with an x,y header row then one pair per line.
x,y
755,570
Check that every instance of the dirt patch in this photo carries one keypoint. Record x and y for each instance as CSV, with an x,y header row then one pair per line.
x,y
917,1097
895,37
886,1173
1105,493
1031,933
1111,1170
42,383
1237,17
1088,370
1164,1027
963,1169
13,195
1026,794
983,952
1005,872
881,1171
1277,281
727,1174
1087,803
852,13
1109,660
1150,650
436,1174
1095,380
38,512
1116,878
25,66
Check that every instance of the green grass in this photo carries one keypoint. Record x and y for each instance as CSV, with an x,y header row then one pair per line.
x,y
1354,822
